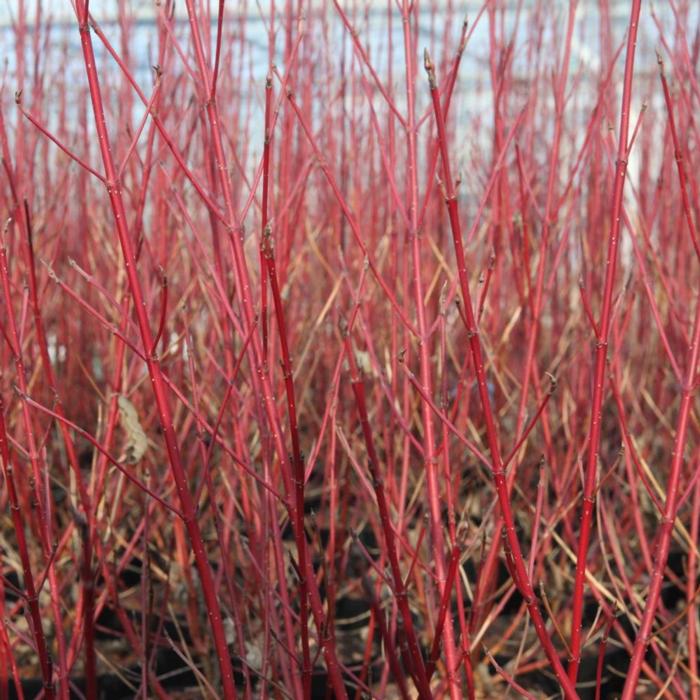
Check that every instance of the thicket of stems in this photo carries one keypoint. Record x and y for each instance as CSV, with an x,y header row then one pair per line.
x,y
323,371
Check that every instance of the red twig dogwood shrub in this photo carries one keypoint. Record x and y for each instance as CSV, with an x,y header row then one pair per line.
x,y
349,349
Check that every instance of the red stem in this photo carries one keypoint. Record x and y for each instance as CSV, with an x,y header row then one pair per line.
x,y
417,666
519,573
154,370
591,471
32,597
297,459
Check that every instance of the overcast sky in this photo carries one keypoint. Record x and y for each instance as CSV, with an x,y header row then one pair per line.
x,y
103,10
62,10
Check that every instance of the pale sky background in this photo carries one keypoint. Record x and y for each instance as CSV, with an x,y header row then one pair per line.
x,y
104,10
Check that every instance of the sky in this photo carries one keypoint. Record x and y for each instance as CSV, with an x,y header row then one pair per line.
x,y
104,10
